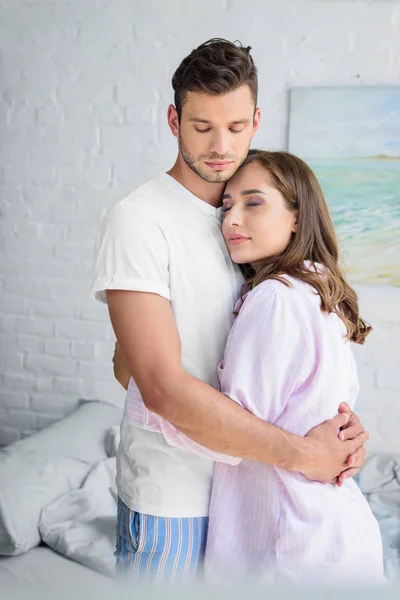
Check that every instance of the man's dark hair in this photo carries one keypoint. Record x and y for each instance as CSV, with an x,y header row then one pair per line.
x,y
215,67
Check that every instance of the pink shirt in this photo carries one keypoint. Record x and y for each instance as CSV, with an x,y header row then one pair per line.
x,y
288,363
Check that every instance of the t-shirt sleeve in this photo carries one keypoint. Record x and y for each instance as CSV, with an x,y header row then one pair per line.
x,y
178,439
266,359
131,253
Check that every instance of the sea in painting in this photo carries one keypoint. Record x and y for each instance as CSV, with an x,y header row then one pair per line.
x,y
351,139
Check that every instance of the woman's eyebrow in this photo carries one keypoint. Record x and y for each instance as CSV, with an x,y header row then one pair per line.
x,y
244,193
247,192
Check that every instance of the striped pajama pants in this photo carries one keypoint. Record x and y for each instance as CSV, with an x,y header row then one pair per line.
x,y
159,549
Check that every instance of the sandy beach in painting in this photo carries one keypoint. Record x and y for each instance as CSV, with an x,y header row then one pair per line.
x,y
364,201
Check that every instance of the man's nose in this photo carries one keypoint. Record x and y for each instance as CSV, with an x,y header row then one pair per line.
x,y
220,143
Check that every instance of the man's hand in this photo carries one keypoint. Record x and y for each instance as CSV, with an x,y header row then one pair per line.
x,y
330,457
353,427
121,369
350,431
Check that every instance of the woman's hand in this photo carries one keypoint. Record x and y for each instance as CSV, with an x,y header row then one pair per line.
x,y
121,369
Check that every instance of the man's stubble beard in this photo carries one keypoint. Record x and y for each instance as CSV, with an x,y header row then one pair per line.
x,y
217,177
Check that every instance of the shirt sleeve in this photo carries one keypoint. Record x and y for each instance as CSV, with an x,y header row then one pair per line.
x,y
266,359
131,253
176,438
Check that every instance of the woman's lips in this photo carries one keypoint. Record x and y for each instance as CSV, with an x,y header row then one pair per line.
x,y
234,240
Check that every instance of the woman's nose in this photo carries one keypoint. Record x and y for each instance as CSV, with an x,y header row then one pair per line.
x,y
233,218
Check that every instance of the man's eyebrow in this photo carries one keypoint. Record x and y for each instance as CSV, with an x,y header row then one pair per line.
x,y
196,120
206,122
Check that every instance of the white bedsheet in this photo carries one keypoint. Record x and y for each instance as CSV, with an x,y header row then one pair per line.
x,y
41,567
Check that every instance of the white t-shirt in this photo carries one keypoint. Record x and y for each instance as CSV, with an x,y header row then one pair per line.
x,y
163,239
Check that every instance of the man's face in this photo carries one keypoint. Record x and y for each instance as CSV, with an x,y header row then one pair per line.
x,y
215,132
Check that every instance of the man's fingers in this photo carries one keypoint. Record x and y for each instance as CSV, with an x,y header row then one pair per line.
x,y
351,433
347,474
345,408
358,458
356,461
340,420
120,367
353,430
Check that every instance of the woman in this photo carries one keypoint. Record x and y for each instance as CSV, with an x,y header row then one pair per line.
x,y
287,360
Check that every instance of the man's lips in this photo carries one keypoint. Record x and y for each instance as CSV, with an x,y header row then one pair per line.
x,y
237,239
218,165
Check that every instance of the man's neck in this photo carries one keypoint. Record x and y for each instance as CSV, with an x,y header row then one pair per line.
x,y
210,193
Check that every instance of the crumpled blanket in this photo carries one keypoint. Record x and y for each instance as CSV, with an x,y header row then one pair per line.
x,y
379,480
81,524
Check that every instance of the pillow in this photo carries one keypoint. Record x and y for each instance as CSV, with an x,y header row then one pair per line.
x,y
36,470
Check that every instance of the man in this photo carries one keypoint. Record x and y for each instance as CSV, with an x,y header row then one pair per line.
x,y
164,270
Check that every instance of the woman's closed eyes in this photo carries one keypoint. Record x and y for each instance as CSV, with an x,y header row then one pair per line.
x,y
226,208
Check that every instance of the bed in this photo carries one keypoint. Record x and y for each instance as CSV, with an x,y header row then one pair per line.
x,y
58,502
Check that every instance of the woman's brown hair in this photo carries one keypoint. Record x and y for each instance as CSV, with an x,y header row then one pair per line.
x,y
314,240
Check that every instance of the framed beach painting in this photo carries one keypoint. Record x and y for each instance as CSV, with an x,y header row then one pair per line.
x,y
350,136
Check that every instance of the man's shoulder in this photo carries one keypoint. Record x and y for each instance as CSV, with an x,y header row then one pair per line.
x,y
150,201
146,196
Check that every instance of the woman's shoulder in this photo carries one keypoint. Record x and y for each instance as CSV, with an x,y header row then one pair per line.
x,y
266,294
286,290
283,288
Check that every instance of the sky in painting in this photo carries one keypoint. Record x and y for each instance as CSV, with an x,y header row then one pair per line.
x,y
345,122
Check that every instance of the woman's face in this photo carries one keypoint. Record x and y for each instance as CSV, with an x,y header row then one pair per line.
x,y
257,223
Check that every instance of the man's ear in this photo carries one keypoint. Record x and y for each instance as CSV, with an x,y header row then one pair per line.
x,y
173,120
256,122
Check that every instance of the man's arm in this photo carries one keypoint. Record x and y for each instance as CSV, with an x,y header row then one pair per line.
x,y
349,431
145,328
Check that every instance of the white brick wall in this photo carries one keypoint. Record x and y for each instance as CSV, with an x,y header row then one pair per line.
x,y
85,88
